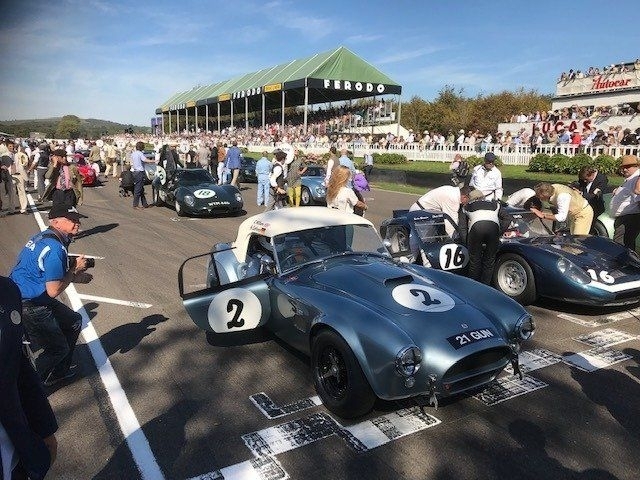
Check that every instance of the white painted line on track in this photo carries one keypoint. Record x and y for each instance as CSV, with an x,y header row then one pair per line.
x,y
131,430
115,301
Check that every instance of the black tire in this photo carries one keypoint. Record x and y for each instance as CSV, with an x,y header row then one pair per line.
x,y
305,197
513,277
598,229
338,378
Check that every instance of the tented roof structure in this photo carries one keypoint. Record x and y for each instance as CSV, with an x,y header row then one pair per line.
x,y
331,76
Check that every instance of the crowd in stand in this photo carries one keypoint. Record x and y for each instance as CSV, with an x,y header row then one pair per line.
x,y
575,112
606,70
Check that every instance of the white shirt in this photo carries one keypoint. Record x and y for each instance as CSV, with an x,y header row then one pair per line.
x,y
445,199
624,201
517,199
488,182
345,200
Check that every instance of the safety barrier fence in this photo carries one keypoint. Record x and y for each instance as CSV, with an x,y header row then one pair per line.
x,y
513,155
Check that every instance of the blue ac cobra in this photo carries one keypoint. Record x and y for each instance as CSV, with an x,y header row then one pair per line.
x,y
323,282
532,261
195,192
313,191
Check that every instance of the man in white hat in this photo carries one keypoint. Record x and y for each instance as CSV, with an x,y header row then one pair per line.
x,y
460,139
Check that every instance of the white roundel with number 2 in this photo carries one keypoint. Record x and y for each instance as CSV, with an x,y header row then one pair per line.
x,y
453,256
234,310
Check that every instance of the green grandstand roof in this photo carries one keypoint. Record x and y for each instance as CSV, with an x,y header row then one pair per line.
x,y
338,64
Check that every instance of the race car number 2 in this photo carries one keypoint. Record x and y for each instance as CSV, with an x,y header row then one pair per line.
x,y
234,310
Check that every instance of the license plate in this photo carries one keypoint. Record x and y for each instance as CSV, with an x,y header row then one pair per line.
x,y
467,338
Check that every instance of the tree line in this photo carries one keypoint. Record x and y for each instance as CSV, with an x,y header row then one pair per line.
x,y
452,110
69,126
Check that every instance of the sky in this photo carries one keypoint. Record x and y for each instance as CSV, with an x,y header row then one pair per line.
x,y
120,60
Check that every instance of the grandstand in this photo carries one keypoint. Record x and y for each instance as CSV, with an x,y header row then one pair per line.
x,y
597,98
336,76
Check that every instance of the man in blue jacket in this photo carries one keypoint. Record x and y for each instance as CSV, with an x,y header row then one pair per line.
x,y
27,424
42,273
233,162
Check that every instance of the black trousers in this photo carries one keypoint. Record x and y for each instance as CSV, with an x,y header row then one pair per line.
x,y
64,197
55,329
138,189
626,229
483,241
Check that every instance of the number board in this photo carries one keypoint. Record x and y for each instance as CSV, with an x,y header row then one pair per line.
x,y
234,310
453,256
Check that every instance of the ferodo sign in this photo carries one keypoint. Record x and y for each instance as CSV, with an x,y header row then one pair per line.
x,y
354,86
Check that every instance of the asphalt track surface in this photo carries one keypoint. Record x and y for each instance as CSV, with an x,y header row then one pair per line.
x,y
154,399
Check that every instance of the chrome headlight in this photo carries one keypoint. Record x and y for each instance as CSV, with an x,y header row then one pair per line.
x,y
189,200
571,270
238,197
408,361
525,327
321,191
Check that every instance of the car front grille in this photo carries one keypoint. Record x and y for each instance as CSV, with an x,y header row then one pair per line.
x,y
475,370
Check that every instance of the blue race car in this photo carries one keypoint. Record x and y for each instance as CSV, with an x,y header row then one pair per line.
x,y
313,190
532,261
324,283
195,192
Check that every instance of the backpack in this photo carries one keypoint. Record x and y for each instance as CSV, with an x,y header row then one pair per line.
x,y
463,169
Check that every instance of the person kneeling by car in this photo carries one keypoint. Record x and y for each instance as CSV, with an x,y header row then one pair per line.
x,y
43,272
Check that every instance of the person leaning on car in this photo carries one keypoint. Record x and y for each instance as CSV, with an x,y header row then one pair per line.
x,y
485,225
446,199
65,181
625,204
570,205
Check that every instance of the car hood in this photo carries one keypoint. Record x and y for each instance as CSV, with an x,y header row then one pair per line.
x,y
411,301
586,251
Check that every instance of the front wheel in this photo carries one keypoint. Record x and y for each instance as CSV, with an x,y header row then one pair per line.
x,y
338,378
305,197
513,277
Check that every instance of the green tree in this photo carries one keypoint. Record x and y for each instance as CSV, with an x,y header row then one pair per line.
x,y
68,127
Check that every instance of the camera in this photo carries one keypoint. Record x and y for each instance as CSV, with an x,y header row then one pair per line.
x,y
90,262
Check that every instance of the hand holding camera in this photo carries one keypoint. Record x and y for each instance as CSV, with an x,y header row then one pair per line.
x,y
80,263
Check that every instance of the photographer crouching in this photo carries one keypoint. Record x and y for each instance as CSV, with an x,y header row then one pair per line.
x,y
43,271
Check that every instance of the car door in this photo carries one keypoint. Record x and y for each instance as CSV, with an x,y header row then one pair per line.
x,y
218,296
437,248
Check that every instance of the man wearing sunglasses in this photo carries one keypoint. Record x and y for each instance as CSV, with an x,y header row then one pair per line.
x,y
625,204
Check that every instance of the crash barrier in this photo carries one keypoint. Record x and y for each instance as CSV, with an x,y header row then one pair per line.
x,y
515,155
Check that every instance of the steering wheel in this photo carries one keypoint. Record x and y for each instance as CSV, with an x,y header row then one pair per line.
x,y
294,258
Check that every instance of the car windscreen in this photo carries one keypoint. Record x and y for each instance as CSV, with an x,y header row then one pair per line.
x,y
297,248
194,176
314,172
525,224
432,230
